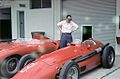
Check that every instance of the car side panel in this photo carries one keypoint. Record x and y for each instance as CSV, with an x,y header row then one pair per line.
x,y
90,63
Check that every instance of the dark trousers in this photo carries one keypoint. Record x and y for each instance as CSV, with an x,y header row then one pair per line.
x,y
65,38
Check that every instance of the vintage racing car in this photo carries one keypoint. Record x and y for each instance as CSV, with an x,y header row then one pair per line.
x,y
13,51
69,62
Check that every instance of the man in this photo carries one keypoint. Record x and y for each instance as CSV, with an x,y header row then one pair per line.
x,y
66,27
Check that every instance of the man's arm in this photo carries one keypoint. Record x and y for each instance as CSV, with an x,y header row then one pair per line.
x,y
75,26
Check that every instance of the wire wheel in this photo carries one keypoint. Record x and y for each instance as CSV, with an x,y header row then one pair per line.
x,y
72,73
70,70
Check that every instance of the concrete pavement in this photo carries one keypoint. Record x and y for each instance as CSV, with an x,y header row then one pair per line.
x,y
102,73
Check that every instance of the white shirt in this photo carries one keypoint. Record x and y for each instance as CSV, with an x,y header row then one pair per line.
x,y
67,27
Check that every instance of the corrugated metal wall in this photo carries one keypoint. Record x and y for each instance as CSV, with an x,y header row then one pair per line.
x,y
99,13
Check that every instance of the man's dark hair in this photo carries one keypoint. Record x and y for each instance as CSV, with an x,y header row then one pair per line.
x,y
68,16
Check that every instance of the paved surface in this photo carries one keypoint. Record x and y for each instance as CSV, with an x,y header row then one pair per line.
x,y
102,73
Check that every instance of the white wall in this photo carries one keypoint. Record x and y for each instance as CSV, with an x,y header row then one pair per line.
x,y
14,8
117,25
57,11
117,17
39,20
35,19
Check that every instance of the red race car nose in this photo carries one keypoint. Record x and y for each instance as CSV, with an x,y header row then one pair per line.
x,y
36,70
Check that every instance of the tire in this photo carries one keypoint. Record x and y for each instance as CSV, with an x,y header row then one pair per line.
x,y
26,59
9,66
67,67
108,57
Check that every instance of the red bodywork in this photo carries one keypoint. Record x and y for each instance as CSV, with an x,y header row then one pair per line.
x,y
49,65
21,47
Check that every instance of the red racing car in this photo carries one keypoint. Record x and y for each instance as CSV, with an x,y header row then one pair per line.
x,y
13,51
69,62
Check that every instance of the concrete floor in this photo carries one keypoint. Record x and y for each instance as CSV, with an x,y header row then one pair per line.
x,y
102,73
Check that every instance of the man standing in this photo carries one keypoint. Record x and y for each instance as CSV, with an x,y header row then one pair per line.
x,y
66,27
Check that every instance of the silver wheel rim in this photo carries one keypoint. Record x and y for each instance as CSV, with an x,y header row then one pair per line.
x,y
72,73
12,64
111,57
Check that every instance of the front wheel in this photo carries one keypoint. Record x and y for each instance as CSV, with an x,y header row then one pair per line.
x,y
108,57
70,70
9,67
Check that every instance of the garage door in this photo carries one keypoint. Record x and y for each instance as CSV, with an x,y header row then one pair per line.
x,y
98,13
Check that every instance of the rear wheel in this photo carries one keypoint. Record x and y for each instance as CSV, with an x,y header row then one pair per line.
x,y
70,70
108,57
26,59
9,66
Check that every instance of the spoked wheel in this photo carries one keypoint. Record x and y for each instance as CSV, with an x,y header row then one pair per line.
x,y
12,64
70,70
72,73
108,57
25,60
111,57
9,67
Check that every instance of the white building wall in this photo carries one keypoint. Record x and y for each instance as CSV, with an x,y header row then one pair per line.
x,y
35,19
117,25
14,8
39,20
57,11
117,17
